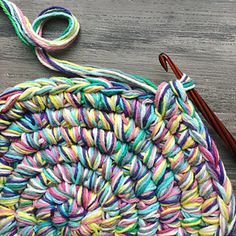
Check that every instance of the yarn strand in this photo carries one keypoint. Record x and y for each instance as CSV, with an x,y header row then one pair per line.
x,y
31,35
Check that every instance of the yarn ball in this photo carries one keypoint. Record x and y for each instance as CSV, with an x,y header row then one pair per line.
x,y
91,156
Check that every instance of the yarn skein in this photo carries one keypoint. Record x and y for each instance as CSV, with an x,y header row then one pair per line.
x,y
104,152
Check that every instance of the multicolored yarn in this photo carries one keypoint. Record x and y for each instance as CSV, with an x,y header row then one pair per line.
x,y
31,35
104,152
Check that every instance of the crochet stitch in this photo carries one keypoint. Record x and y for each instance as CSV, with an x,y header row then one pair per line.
x,y
104,152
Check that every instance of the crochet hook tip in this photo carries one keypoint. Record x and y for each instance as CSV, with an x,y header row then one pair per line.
x,y
163,61
166,61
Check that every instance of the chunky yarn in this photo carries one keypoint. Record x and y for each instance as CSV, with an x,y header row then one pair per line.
x,y
104,152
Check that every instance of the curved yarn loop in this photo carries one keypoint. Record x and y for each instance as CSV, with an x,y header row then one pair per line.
x,y
104,152
32,36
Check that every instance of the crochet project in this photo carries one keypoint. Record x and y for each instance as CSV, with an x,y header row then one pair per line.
x,y
103,152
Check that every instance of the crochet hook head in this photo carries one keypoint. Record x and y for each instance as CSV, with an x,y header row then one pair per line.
x,y
164,59
208,114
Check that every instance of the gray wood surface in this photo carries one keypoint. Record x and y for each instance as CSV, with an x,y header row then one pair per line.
x,y
199,35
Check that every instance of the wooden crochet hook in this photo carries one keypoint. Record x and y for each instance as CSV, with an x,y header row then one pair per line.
x,y
206,111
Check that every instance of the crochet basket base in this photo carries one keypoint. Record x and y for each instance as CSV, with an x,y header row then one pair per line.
x,y
90,156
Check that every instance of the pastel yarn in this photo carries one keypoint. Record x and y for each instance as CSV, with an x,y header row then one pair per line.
x,y
104,152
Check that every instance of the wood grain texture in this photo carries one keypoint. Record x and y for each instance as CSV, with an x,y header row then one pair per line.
x,y
199,35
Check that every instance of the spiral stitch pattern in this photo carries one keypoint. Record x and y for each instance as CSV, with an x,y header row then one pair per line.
x,y
104,152
82,157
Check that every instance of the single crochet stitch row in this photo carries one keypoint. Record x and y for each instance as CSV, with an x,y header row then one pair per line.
x,y
104,152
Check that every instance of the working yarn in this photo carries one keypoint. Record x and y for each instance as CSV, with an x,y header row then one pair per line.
x,y
104,152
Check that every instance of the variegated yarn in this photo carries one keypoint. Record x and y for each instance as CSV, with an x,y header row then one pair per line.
x,y
104,152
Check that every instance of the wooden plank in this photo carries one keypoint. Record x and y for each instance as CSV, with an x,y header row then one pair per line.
x,y
128,35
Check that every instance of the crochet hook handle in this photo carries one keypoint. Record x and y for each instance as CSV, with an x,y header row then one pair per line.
x,y
202,106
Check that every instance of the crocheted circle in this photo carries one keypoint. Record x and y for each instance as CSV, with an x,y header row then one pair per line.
x,y
90,156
